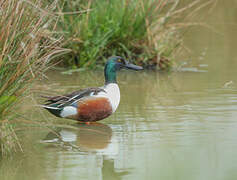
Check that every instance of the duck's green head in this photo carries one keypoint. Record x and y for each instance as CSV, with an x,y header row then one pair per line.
x,y
114,64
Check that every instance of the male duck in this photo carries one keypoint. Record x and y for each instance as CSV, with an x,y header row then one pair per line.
x,y
92,104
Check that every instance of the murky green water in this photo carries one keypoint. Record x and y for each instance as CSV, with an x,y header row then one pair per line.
x,y
181,125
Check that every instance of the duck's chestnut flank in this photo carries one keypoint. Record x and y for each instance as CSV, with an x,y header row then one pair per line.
x,y
94,109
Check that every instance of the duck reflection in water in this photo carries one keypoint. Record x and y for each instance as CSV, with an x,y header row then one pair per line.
x,y
95,137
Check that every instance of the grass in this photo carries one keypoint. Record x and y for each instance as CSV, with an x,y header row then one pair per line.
x,y
27,45
147,31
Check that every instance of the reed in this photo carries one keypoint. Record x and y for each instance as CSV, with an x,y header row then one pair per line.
x,y
27,44
147,31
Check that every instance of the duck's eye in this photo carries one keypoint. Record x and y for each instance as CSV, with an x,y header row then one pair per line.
x,y
120,61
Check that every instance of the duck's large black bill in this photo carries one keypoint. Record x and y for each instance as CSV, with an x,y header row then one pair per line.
x,y
133,66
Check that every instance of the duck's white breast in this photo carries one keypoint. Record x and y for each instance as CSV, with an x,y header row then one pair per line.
x,y
112,93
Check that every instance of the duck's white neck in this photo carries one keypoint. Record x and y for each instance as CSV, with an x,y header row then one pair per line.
x,y
113,93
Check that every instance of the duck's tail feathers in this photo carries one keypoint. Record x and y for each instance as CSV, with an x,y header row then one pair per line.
x,y
48,107
54,110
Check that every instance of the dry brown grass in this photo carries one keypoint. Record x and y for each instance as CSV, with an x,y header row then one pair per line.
x,y
27,44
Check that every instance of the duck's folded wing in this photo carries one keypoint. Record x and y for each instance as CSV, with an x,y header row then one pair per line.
x,y
67,99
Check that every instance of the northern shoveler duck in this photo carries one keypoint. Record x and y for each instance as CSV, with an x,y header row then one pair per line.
x,y
92,104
